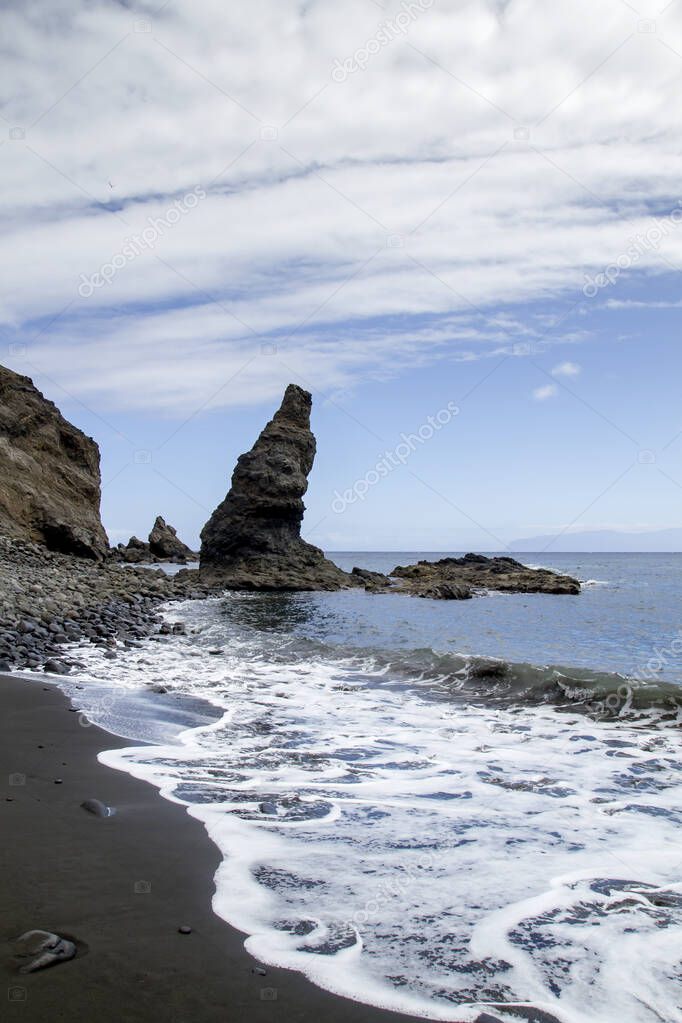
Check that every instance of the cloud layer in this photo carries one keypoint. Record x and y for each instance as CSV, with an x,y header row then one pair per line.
x,y
489,156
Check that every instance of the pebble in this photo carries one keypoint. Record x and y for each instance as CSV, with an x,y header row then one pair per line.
x,y
98,808
184,929
49,599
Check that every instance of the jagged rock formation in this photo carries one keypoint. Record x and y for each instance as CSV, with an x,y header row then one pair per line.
x,y
463,578
135,552
253,539
164,543
458,578
50,492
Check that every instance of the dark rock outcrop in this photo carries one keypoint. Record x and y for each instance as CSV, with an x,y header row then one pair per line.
x,y
457,578
50,474
253,539
134,552
164,543
373,582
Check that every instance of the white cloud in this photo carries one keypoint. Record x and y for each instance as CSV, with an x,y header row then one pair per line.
x,y
403,195
567,369
545,392
633,304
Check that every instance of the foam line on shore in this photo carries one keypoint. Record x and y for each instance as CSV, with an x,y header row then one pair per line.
x,y
396,796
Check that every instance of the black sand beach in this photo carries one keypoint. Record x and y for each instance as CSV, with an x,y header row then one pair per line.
x,y
65,870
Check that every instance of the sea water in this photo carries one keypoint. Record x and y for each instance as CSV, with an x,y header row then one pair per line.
x,y
444,808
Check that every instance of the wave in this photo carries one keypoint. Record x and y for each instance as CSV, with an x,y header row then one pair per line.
x,y
435,833
489,680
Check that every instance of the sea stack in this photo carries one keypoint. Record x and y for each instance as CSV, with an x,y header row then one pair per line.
x,y
50,474
253,539
164,543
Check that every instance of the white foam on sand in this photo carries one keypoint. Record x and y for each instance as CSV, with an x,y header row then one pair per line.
x,y
417,853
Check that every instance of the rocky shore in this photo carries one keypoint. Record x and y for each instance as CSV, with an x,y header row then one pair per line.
x,y
61,583
48,600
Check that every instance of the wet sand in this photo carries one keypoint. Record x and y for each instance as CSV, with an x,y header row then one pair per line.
x,y
121,886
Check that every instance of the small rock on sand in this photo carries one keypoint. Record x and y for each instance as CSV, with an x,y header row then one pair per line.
x,y
98,808
44,949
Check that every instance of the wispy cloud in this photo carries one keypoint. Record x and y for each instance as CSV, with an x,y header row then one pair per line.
x,y
638,304
546,392
567,369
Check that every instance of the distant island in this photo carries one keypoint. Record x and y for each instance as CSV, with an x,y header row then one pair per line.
x,y
607,541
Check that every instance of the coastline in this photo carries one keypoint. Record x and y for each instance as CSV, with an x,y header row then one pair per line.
x,y
71,872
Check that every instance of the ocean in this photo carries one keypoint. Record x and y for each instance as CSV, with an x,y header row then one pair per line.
x,y
443,808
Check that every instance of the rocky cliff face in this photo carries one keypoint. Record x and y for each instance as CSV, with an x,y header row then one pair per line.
x,y
253,539
49,474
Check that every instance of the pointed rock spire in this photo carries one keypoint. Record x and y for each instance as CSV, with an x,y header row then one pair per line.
x,y
253,539
165,543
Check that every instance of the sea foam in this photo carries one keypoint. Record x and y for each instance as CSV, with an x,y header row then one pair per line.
x,y
407,843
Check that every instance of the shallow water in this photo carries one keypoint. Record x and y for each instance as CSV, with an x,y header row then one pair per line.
x,y
418,827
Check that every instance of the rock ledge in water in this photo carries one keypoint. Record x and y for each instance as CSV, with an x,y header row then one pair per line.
x,y
459,578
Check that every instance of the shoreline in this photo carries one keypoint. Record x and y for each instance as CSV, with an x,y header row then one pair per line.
x,y
122,886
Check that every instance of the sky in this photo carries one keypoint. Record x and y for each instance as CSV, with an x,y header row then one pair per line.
x,y
458,224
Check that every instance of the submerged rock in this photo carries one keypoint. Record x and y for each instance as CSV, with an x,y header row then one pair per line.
x,y
50,474
253,539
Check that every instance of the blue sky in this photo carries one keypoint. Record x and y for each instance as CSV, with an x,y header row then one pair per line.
x,y
417,234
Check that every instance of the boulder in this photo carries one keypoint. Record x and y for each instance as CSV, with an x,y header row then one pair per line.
x,y
50,474
135,552
164,543
373,582
253,539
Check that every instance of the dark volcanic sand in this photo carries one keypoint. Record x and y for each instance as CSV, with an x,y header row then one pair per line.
x,y
65,870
